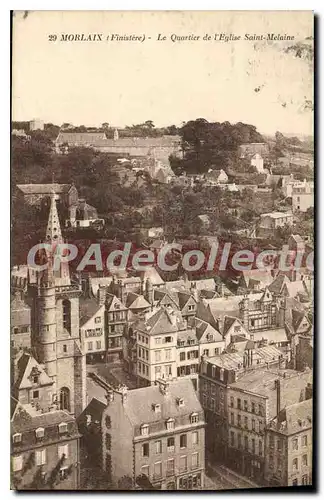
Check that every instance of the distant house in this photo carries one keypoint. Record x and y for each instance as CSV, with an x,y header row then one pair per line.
x,y
257,162
34,194
271,221
214,177
81,214
302,196
245,150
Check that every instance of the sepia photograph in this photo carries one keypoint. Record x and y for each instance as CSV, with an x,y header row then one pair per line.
x,y
162,250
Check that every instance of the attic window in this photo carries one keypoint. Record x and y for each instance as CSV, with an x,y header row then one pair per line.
x,y
170,424
16,438
194,418
63,427
144,430
40,432
157,407
180,402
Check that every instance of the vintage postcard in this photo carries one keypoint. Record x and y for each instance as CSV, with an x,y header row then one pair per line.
x,y
162,275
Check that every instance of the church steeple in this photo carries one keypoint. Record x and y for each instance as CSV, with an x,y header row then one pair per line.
x,y
53,230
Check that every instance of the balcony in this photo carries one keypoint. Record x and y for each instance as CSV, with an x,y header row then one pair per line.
x,y
170,473
170,449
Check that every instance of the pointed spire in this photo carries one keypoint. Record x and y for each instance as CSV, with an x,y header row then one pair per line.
x,y
53,230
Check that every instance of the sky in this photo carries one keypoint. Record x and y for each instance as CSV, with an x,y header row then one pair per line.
x,y
124,83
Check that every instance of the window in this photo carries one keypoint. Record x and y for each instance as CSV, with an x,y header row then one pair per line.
x,y
63,427
98,344
295,444
305,479
158,340
195,438
183,441
64,348
239,420
157,356
170,466
232,402
195,460
108,442
206,352
40,457
36,379
295,464
279,445
65,399
194,418
216,351
183,464
304,440
108,422
17,463
246,443
253,407
232,438
63,473
145,450
304,460
157,371
16,438
253,446
253,424
158,469
212,404
66,315
245,403
167,340
232,418
63,451
170,444
221,374
182,356
260,448
246,425
90,346
144,430
145,470
260,409
35,394
39,432
98,319
237,328
239,403
168,354
158,447
239,441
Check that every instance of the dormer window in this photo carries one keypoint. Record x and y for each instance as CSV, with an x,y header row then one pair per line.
x,y
35,379
194,417
180,402
144,430
170,424
40,432
157,407
63,427
16,438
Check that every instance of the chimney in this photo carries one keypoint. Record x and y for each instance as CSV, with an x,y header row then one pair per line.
x,y
278,395
282,312
101,295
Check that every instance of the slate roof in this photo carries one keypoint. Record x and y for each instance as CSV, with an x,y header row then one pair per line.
x,y
294,418
88,309
26,363
278,283
139,403
96,282
232,361
136,301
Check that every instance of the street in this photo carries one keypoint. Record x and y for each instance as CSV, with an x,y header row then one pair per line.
x,y
219,477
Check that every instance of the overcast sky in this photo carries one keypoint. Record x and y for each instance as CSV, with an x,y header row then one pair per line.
x,y
88,83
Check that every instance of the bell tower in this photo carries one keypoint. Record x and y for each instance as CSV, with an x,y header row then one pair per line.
x,y
56,322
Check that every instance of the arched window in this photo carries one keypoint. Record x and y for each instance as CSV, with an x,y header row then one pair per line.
x,y
67,315
65,399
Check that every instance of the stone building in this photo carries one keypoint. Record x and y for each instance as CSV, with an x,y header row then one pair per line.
x,y
44,449
289,447
36,194
155,435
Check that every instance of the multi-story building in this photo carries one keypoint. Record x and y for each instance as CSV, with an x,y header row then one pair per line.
x,y
252,401
188,359
289,446
155,434
36,124
156,343
44,449
92,329
19,322
271,221
302,196
216,374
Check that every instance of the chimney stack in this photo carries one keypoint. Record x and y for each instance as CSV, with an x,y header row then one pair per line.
x,y
164,387
278,395
101,295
